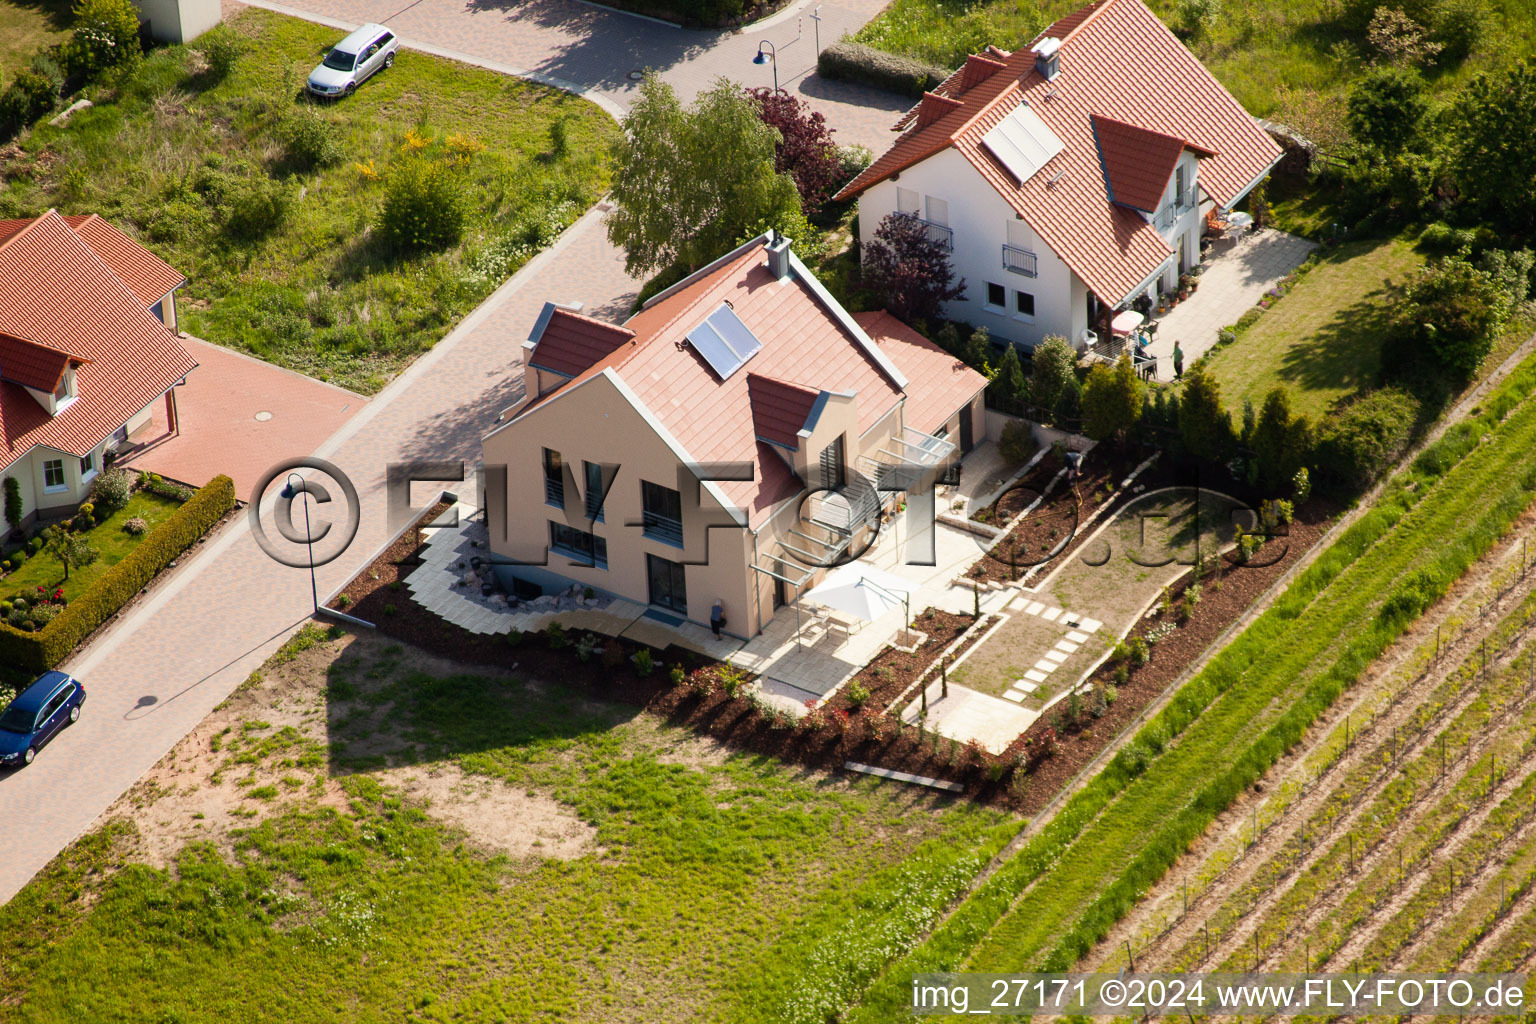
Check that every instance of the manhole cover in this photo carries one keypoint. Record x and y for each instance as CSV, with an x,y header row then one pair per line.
x,y
263,416
636,75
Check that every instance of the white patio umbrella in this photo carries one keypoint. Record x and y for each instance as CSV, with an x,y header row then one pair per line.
x,y
863,590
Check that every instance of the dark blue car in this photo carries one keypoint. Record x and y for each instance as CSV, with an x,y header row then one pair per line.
x,y
37,715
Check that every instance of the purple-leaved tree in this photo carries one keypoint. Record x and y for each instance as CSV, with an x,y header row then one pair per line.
x,y
910,271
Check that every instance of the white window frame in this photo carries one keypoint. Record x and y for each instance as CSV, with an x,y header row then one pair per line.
x,y
909,201
88,468
987,302
63,484
1027,318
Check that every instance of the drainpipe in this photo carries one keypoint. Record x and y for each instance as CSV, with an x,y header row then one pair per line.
x,y
757,591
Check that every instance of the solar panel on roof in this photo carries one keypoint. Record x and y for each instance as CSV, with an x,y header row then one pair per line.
x,y
724,341
1023,143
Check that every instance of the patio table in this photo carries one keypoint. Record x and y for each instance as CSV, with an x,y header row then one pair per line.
x,y
1125,322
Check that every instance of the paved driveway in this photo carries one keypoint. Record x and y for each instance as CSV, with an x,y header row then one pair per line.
x,y
158,671
237,416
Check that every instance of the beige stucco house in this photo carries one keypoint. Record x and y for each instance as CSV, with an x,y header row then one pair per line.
x,y
722,446
87,347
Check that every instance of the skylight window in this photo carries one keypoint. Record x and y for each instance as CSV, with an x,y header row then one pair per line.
x,y
1023,143
724,341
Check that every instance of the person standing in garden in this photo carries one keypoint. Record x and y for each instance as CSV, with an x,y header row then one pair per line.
x,y
1178,362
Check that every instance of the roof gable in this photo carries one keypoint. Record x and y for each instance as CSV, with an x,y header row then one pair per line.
x,y
780,410
1137,162
34,366
565,342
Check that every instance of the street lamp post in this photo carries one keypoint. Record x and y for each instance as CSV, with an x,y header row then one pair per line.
x,y
770,57
289,490
816,17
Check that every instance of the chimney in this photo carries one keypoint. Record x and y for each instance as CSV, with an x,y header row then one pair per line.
x,y
1047,58
778,257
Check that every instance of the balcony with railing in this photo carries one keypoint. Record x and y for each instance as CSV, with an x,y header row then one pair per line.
x,y
1020,261
554,491
667,529
940,233
1176,208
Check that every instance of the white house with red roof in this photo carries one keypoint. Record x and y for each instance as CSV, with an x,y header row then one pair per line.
x,y
86,350
1072,177
736,433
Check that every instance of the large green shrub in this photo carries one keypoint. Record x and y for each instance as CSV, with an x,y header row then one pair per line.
x,y
112,491
106,36
309,140
854,62
1361,441
36,652
423,206
1449,318
28,97
252,207
223,48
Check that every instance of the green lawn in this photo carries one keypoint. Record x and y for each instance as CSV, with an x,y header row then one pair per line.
x,y
1258,49
321,293
43,570
25,27
718,888
1322,339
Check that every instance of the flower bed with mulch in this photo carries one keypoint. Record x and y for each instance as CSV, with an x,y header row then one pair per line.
x,y
1062,514
1057,748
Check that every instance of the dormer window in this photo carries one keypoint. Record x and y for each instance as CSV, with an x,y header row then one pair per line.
x,y
66,388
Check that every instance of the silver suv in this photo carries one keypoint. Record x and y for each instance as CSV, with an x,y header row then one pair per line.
x,y
365,51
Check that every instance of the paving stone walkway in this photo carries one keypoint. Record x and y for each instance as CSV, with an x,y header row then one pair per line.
x,y
1237,275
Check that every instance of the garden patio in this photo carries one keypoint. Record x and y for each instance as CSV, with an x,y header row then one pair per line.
x,y
1238,272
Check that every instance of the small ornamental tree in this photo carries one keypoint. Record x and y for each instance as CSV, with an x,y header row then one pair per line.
x,y
13,507
1204,425
805,150
909,270
1053,369
1281,442
1008,383
71,549
1112,400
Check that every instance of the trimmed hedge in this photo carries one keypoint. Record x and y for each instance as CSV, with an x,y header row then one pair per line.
x,y
854,62
39,651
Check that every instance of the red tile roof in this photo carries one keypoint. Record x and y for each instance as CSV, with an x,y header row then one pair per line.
x,y
568,342
57,292
1117,61
780,409
806,349
148,276
938,383
35,366
1138,162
